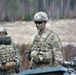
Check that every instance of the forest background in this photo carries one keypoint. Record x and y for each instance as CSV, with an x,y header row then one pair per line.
x,y
14,10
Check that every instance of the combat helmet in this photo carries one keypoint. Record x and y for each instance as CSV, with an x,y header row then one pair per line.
x,y
3,30
41,16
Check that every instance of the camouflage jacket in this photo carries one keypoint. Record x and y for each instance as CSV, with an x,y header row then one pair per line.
x,y
46,47
8,53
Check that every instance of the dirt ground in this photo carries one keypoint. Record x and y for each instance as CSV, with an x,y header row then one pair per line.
x,y
24,32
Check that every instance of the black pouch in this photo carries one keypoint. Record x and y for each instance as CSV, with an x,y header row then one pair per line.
x,y
5,40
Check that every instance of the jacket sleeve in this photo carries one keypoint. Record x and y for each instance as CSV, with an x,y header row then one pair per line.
x,y
17,69
56,48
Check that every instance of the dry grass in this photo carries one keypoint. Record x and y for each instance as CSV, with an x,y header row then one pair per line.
x,y
24,32
24,63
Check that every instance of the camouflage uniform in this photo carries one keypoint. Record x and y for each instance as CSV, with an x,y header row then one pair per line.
x,y
46,49
8,53
12,72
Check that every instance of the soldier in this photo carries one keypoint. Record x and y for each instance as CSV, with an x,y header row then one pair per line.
x,y
9,58
46,48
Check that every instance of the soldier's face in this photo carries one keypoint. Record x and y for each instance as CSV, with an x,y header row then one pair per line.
x,y
2,34
40,24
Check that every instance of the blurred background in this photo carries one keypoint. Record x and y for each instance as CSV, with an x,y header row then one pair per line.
x,y
14,10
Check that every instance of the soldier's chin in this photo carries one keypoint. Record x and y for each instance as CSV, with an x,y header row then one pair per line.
x,y
38,28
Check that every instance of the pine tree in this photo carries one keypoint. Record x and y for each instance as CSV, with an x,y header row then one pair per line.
x,y
11,9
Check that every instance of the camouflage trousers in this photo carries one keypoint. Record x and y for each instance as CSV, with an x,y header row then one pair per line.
x,y
40,65
10,72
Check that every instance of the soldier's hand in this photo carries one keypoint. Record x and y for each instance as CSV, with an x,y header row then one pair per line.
x,y
10,65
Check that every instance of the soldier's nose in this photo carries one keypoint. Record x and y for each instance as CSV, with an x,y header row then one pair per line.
x,y
37,25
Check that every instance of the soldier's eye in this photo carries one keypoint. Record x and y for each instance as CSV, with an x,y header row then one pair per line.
x,y
38,22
